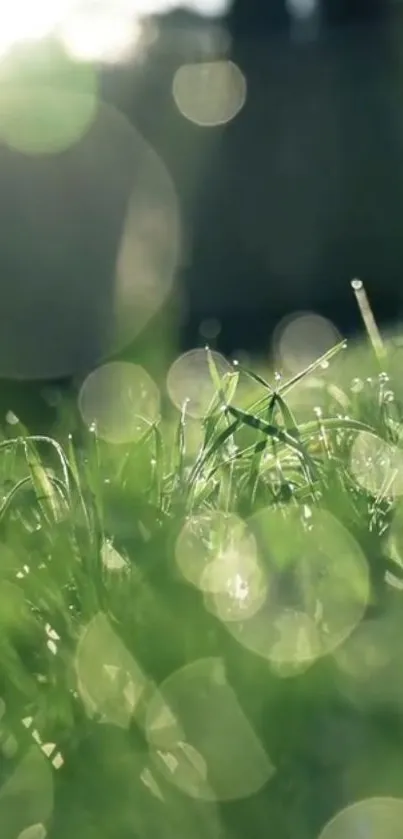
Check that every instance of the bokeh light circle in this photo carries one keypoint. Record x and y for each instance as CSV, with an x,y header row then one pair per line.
x,y
47,102
379,818
109,680
119,401
189,381
376,465
317,588
301,339
209,93
216,553
201,740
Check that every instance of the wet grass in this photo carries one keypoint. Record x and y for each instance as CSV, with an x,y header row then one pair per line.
x,y
88,528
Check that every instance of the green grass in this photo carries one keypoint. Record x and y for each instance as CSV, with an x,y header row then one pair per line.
x,y
282,457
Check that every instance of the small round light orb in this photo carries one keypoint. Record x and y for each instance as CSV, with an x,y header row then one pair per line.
x,y
378,818
189,381
216,553
119,401
209,93
235,585
300,340
204,539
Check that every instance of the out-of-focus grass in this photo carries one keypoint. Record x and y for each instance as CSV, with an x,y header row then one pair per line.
x,y
88,571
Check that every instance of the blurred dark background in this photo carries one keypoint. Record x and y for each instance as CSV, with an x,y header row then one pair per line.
x,y
280,208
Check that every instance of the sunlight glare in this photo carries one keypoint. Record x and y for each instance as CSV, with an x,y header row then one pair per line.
x,y
28,20
104,33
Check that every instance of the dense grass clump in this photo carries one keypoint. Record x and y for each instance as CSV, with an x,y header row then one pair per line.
x,y
201,631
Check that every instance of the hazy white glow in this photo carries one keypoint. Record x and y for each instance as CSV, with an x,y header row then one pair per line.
x,y
96,30
104,34
28,20
221,758
300,340
210,93
378,818
118,401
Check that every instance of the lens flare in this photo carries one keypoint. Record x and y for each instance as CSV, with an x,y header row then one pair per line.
x,y
28,20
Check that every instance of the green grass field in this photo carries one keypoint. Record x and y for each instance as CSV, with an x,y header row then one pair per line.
x,y
201,630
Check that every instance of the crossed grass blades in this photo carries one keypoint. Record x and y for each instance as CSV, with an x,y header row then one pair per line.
x,y
68,506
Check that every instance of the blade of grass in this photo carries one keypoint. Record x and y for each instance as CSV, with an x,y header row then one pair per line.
x,y
207,454
322,360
